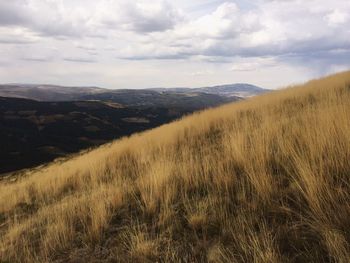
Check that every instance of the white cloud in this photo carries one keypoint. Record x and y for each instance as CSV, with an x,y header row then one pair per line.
x,y
201,73
17,35
253,64
337,17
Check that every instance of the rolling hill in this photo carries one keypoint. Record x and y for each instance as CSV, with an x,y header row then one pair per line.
x,y
45,92
262,180
242,90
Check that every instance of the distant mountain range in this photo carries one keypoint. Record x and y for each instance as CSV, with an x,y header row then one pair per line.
x,y
134,97
46,92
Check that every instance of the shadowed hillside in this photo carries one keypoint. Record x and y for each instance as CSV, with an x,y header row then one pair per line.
x,y
262,180
32,132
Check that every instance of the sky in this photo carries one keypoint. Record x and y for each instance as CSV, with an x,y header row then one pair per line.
x,y
183,43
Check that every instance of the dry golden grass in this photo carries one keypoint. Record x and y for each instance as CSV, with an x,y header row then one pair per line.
x,y
263,180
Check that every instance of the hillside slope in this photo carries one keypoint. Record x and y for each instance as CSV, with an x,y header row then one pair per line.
x,y
262,180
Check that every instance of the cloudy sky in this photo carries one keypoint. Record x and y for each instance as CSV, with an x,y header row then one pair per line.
x,y
154,43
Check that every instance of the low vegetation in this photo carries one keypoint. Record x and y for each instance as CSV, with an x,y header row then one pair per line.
x,y
262,180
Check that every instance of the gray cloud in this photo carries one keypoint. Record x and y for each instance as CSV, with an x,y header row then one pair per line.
x,y
163,19
42,17
79,60
155,57
14,40
156,16
13,13
37,59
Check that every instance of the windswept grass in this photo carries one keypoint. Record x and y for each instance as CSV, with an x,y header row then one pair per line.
x,y
263,180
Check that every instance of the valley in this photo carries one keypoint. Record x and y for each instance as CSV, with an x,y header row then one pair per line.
x,y
39,123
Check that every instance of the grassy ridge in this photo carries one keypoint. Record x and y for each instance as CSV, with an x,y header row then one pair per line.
x,y
263,180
